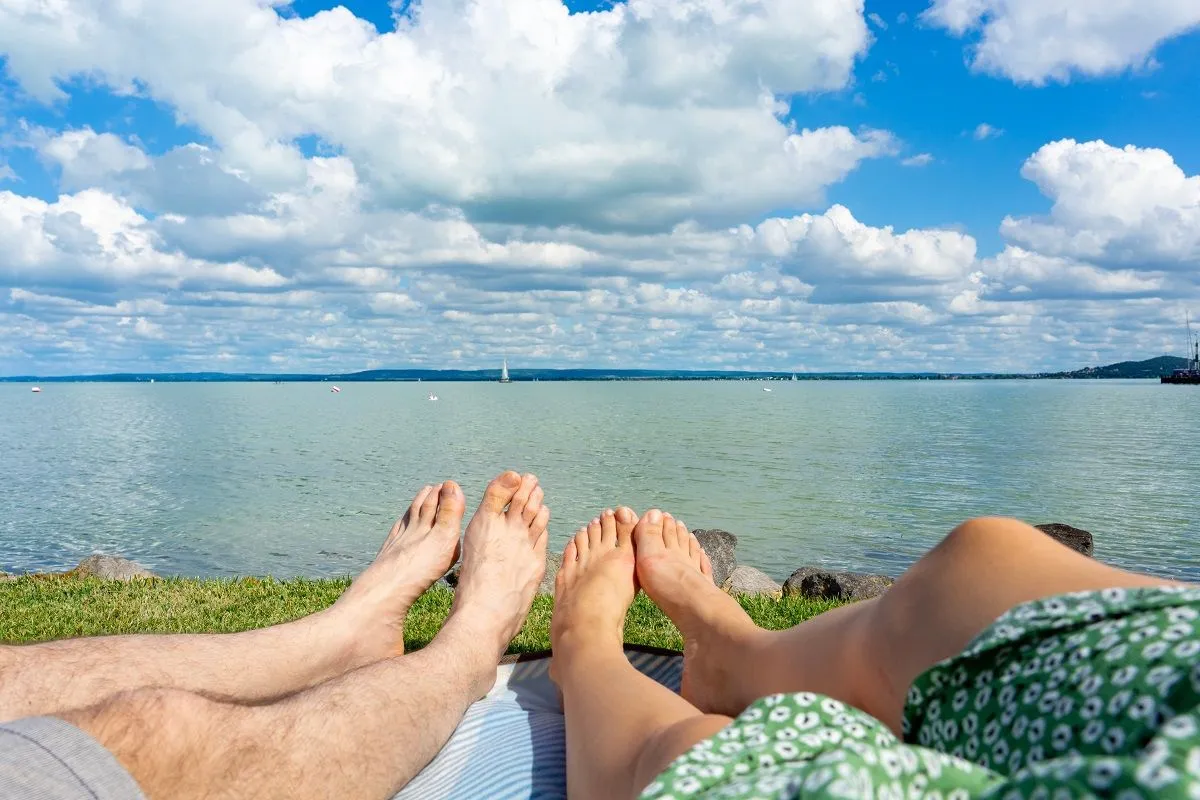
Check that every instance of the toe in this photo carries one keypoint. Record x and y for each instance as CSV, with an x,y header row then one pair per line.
x,y
647,534
533,506
566,569
414,511
537,529
499,492
594,534
429,505
450,506
626,519
581,541
684,537
516,506
693,544
670,537
608,528
705,565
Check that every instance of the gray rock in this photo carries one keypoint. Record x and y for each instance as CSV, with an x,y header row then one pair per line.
x,y
1077,539
111,568
720,546
748,580
819,584
553,562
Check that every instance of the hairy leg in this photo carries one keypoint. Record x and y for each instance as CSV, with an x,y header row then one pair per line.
x,y
366,733
869,653
364,626
622,727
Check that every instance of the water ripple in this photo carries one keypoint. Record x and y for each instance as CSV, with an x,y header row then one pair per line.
x,y
224,479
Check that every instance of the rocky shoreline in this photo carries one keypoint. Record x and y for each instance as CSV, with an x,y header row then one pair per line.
x,y
812,582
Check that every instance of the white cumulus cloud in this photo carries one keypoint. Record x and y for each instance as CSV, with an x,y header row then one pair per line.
x,y
1036,41
1124,207
514,110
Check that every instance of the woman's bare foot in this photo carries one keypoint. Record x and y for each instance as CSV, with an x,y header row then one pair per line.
x,y
675,572
503,561
421,547
594,589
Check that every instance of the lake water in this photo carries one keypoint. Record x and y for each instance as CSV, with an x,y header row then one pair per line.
x,y
226,479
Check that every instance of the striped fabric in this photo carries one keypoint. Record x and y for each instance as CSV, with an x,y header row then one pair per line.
x,y
511,744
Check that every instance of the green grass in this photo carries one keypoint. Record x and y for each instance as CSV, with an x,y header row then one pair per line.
x,y
40,608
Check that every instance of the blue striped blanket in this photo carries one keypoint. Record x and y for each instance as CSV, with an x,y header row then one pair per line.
x,y
511,744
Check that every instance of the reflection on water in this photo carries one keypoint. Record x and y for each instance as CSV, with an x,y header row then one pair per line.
x,y
222,479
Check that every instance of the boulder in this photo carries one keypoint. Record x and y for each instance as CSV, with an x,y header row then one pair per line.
x,y
110,568
819,584
1077,539
748,580
720,546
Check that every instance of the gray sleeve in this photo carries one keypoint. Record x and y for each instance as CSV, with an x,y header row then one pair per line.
x,y
44,758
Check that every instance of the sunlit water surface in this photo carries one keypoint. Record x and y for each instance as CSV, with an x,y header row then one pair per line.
x,y
225,479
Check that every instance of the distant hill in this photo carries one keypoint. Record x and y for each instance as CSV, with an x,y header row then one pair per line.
x,y
1150,368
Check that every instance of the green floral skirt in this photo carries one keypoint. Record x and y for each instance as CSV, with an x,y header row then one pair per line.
x,y
1080,695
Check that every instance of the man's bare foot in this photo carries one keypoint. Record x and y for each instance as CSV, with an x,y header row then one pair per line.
x,y
594,588
503,561
675,572
421,547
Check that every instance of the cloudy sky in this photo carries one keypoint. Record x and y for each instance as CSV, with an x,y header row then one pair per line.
x,y
789,184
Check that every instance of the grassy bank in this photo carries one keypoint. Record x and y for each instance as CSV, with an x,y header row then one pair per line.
x,y
39,608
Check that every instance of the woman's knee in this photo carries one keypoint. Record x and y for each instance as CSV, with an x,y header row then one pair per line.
x,y
987,532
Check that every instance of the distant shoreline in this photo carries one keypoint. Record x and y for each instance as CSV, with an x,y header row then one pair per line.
x,y
1150,369
161,379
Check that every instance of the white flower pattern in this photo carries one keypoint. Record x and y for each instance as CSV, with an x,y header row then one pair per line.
x,y
1058,698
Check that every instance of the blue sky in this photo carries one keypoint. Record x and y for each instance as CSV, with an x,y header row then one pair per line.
x,y
778,184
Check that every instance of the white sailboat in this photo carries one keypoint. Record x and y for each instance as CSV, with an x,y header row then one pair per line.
x,y
504,373
793,376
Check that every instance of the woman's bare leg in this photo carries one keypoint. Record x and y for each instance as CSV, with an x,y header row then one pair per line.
x,y
869,653
623,729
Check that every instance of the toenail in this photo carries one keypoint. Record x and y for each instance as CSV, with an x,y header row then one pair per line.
x,y
510,478
653,515
624,514
608,512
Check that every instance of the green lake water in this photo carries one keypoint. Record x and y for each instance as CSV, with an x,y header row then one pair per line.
x,y
226,479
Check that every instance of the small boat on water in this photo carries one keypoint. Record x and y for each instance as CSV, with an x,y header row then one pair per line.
x,y
1191,373
336,390
767,389
37,390
433,396
504,373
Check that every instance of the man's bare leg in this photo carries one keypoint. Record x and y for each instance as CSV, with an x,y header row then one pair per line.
x,y
869,653
365,625
622,727
361,735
